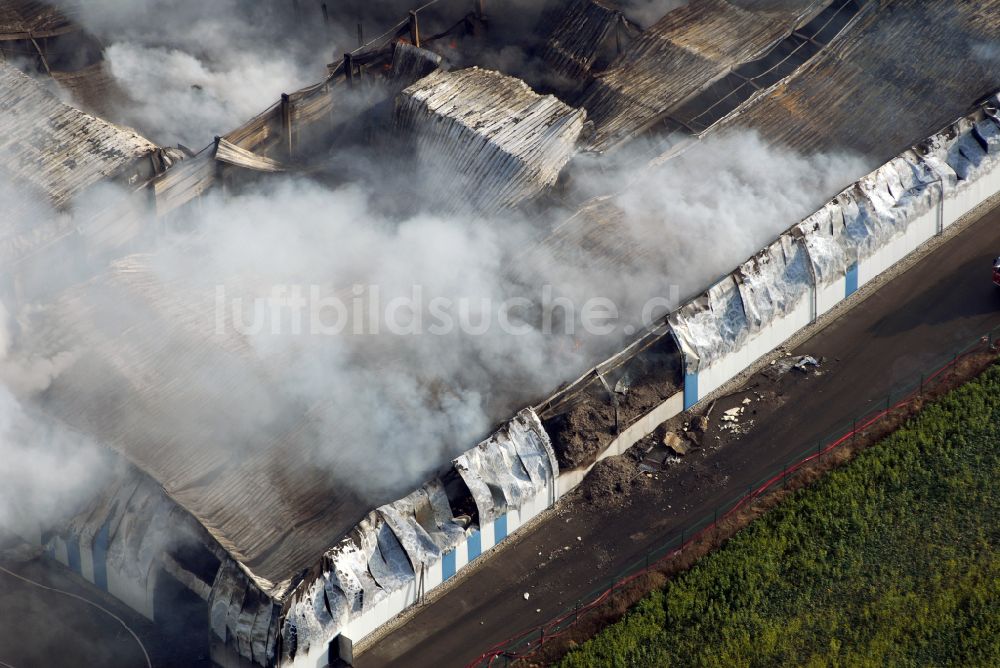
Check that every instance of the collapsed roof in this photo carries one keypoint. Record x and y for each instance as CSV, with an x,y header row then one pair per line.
x,y
30,19
679,56
57,149
253,486
503,142
273,511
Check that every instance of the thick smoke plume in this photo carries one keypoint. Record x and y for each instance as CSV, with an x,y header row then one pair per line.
x,y
46,470
210,305
387,406
191,69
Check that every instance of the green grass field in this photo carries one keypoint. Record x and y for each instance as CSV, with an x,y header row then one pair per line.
x,y
890,560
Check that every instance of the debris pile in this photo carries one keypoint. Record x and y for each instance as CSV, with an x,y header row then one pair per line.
x,y
612,481
805,364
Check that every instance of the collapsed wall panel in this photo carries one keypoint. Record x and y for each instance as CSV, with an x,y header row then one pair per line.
x,y
130,536
823,260
406,548
485,142
507,470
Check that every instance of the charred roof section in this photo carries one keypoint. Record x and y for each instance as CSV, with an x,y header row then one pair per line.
x,y
588,32
679,56
27,19
906,68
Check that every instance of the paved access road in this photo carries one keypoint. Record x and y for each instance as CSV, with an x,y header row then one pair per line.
x,y
942,301
40,627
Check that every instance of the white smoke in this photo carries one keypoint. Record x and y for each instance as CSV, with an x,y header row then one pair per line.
x,y
192,70
647,12
46,470
986,52
176,97
722,200
387,408
384,409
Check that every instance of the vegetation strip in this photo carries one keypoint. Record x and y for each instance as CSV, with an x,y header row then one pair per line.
x,y
891,559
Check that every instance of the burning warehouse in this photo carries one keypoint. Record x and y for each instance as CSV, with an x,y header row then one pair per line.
x,y
282,497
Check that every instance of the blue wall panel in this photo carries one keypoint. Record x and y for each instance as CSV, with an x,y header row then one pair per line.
x,y
852,280
475,543
73,553
690,390
101,556
448,565
500,528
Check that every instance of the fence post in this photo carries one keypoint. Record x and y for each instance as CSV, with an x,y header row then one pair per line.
x,y
888,402
784,475
921,384
576,612
541,637
854,431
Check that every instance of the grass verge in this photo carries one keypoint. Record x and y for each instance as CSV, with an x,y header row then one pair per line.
x,y
890,559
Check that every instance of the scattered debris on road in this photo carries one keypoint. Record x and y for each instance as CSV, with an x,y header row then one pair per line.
x,y
806,364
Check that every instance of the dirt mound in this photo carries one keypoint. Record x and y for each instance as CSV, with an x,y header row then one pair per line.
x,y
581,434
612,481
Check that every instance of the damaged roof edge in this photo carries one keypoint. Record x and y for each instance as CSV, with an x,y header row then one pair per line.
x,y
389,552
852,226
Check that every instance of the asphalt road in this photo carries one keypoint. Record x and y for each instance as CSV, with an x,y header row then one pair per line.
x,y
944,300
39,627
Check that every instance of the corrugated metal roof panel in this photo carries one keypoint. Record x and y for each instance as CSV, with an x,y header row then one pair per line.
x,y
576,41
907,68
499,141
20,19
684,52
55,148
232,154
